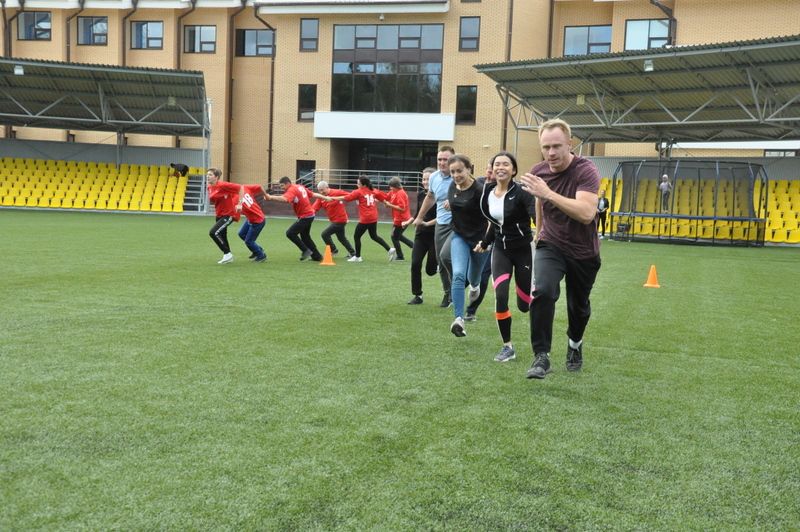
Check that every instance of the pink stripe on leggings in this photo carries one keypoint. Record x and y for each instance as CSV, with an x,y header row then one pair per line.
x,y
523,296
502,278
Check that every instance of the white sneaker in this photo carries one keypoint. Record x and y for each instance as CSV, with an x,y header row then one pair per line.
x,y
457,327
474,294
355,259
226,258
392,254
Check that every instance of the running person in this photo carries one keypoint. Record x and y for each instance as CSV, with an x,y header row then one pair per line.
x,y
567,247
299,232
368,198
424,244
510,211
472,308
337,215
254,220
401,212
224,195
469,226
437,194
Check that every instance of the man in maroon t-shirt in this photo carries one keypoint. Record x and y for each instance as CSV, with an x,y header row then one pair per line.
x,y
567,246
300,231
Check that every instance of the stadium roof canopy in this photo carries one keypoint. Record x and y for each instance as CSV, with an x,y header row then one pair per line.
x,y
745,90
88,97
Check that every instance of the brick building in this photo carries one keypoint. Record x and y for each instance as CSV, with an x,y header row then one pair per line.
x,y
299,84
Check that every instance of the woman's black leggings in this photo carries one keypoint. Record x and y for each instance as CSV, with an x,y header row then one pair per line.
x,y
373,234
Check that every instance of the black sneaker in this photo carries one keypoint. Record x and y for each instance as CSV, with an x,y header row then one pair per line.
x,y
334,252
252,256
260,259
540,366
506,354
470,316
446,301
416,300
305,255
574,358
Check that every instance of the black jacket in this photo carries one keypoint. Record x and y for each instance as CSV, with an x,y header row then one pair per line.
x,y
519,208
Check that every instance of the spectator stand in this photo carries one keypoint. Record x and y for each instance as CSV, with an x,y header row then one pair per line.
x,y
117,100
736,91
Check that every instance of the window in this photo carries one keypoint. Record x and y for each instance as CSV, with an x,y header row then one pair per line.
x,y
147,35
309,34
200,39
387,68
366,36
254,43
33,26
93,30
306,102
645,34
582,40
470,33
466,104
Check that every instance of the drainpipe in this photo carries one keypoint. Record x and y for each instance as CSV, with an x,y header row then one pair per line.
x,y
81,3
271,90
179,34
124,32
673,22
5,25
7,52
7,43
504,126
229,84
551,17
179,49
69,19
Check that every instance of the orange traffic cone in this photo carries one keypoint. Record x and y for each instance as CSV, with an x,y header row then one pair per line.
x,y
327,260
652,278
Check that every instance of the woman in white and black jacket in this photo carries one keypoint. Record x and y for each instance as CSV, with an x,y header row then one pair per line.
x,y
509,210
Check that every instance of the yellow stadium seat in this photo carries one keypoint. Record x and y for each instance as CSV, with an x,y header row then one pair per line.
x,y
55,202
779,236
706,231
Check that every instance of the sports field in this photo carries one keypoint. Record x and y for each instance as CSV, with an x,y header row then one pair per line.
x,y
146,387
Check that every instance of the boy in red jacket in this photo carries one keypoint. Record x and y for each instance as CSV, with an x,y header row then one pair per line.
x,y
300,231
337,215
254,220
224,196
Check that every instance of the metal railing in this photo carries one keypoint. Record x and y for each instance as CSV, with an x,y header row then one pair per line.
x,y
348,179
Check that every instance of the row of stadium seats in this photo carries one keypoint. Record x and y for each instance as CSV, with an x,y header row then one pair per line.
x,y
100,185
782,209
91,185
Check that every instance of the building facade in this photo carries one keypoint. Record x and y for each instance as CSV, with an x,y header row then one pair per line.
x,y
296,85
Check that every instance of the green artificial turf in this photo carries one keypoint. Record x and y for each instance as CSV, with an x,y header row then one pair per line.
x,y
146,387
